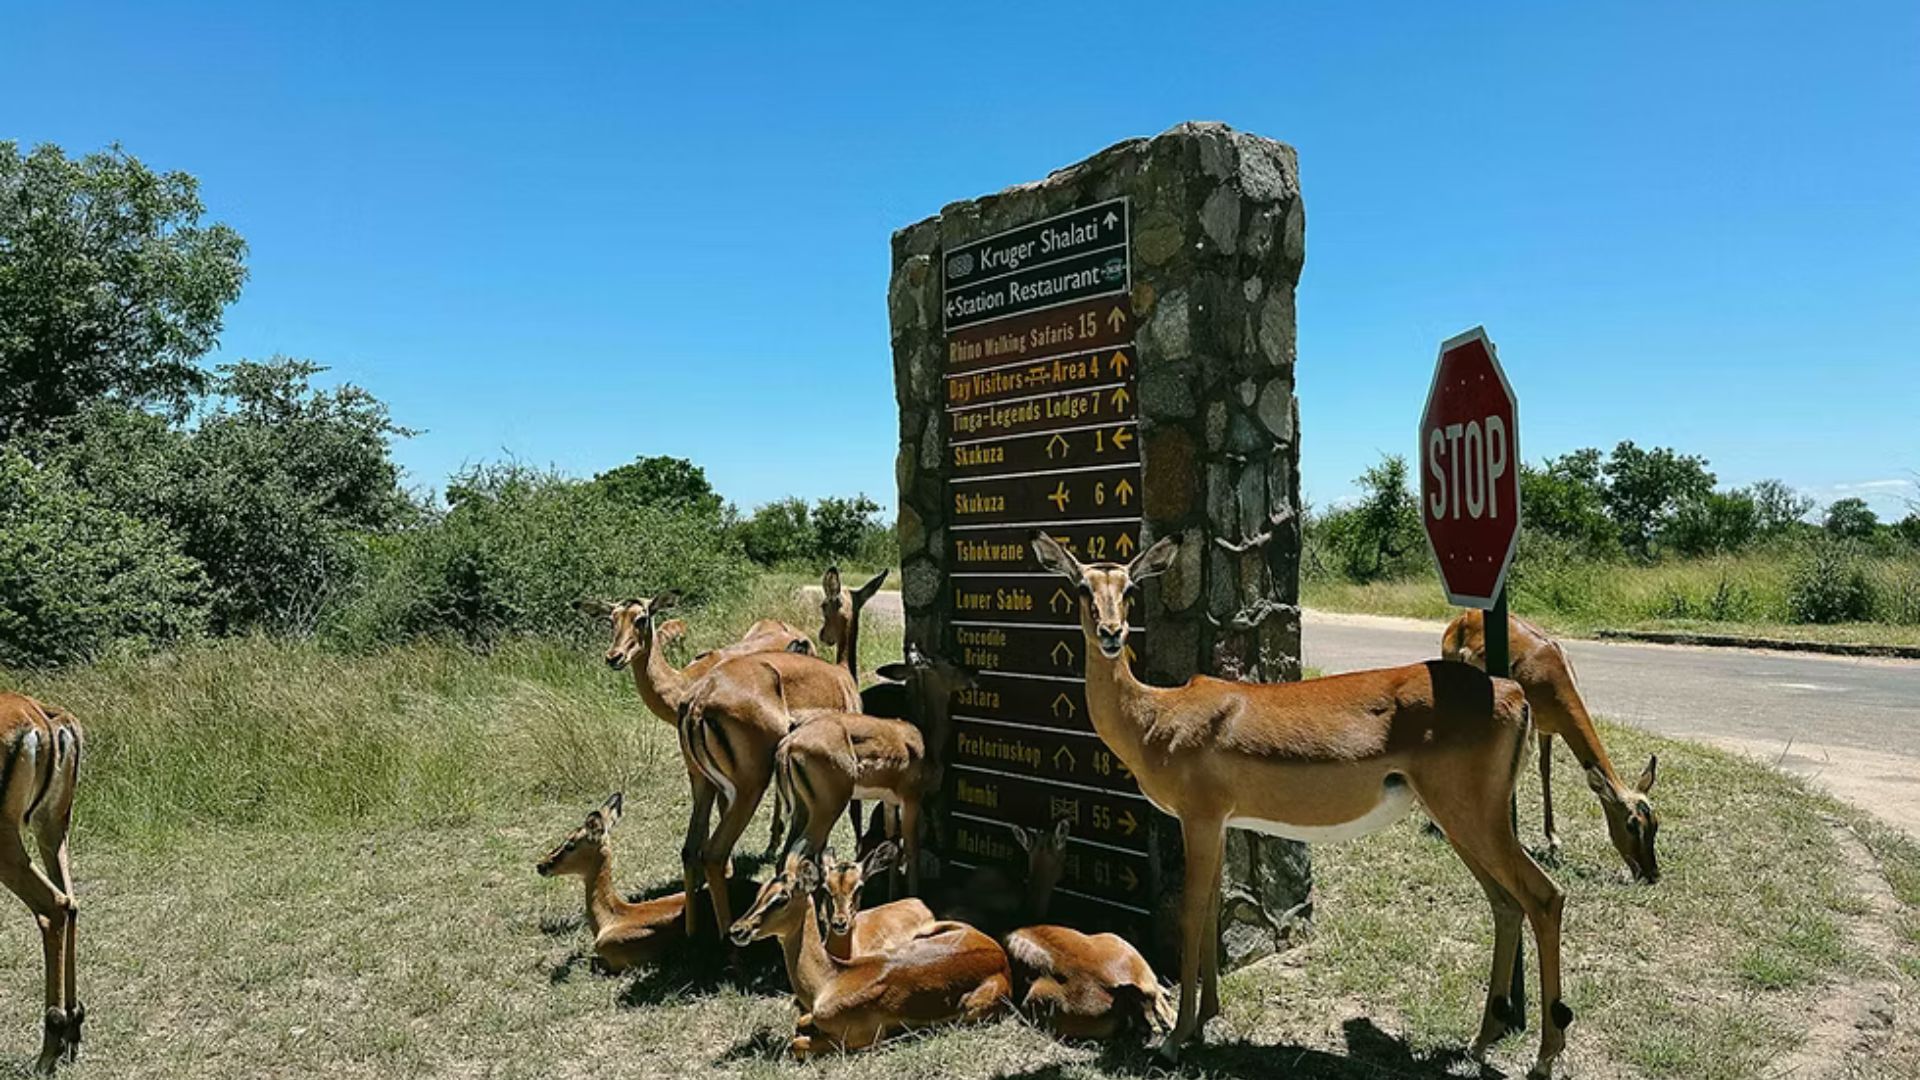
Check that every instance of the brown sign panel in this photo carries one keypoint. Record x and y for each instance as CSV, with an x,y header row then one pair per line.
x,y
1091,869
1035,650
1015,598
1070,328
1024,378
1076,757
1004,550
1090,495
1103,404
1050,700
1110,817
1102,444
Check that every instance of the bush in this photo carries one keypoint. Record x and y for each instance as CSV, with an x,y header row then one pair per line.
x,y
517,547
78,579
1830,585
1718,522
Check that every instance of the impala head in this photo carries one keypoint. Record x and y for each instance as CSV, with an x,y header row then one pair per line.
x,y
1046,861
782,903
585,847
839,608
842,879
938,676
1106,589
1631,821
633,624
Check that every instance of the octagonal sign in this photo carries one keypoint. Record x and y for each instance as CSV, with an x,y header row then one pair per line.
x,y
1470,470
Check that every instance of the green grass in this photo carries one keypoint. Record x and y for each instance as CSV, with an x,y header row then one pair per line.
x,y
1734,594
298,864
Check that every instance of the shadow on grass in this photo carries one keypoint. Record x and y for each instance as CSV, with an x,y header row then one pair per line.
x,y
1371,1054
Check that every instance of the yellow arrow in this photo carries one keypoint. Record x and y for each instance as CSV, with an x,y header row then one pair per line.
x,y
1066,753
1127,822
1058,648
1124,491
1122,437
1120,363
1116,320
1061,497
1061,440
1062,699
1124,545
1127,875
1121,397
1061,601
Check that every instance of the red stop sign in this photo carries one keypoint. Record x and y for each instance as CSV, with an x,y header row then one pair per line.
x,y
1470,470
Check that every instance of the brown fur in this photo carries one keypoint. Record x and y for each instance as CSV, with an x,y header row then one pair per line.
x,y
947,973
1317,754
1542,668
832,755
40,750
852,931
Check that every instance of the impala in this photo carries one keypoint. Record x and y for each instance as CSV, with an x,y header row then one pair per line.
x,y
833,758
948,972
1325,759
42,745
731,723
1545,672
853,931
639,643
625,935
840,628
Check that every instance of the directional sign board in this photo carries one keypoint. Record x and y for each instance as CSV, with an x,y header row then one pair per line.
x,y
1042,418
1470,470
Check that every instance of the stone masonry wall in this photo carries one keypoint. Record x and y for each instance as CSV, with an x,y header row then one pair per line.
x,y
1218,245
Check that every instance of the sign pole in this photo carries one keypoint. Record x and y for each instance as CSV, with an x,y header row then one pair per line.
x,y
1499,666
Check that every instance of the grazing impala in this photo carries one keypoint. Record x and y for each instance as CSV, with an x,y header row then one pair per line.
x,y
625,935
731,723
42,745
854,931
832,758
1321,760
947,973
1545,672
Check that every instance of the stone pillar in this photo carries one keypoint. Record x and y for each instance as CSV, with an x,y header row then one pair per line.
x,y
1217,246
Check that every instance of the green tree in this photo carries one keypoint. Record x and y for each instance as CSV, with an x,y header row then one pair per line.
x,y
1381,535
841,526
1566,498
1645,488
1777,507
1850,519
780,531
1721,522
669,483
110,285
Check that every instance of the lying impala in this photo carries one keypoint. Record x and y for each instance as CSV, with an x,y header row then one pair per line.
x,y
625,935
41,745
855,931
1326,759
1545,672
948,972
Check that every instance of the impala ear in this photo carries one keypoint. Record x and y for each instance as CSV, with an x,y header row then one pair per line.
x,y
1022,837
1053,556
865,592
610,810
598,609
1154,561
895,672
1649,774
830,581
878,860
801,646
1061,830
1597,780
808,877
668,599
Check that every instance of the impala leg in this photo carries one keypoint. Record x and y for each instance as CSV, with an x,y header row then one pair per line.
x,y
1546,797
698,820
778,827
1498,1020
55,857
1210,965
49,906
1204,842
719,847
910,837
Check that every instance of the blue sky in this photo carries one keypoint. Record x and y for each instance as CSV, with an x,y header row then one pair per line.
x,y
576,234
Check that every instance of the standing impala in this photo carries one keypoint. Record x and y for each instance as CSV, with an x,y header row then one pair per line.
x,y
1327,759
41,745
840,628
1544,671
832,758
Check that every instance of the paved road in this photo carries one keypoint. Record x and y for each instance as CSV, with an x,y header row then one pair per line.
x,y
1852,724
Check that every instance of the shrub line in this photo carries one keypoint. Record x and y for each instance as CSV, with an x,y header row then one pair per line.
x,y
1739,641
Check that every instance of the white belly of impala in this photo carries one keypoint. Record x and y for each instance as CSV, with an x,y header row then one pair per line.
x,y
1395,800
